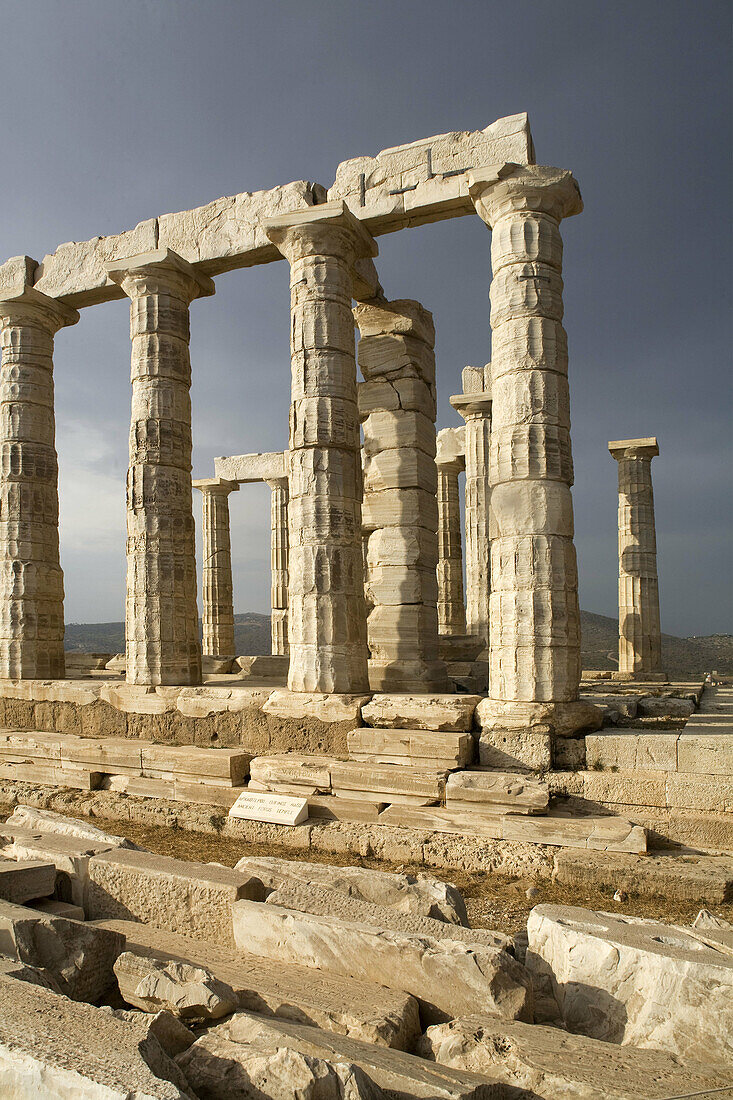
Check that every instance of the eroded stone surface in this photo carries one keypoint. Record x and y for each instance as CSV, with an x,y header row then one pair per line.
x,y
190,992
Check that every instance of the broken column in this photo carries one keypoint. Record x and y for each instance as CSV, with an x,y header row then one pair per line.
x,y
451,461
639,642
279,566
397,409
534,616
161,627
327,620
217,588
474,405
31,579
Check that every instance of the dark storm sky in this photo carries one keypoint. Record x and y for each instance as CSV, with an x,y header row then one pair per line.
x,y
115,112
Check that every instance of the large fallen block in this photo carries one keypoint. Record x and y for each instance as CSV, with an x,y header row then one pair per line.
x,y
400,1075
425,712
26,880
321,902
634,981
424,749
194,899
363,1010
69,855
504,792
552,1063
226,1070
46,821
54,1047
80,957
448,978
417,894
188,991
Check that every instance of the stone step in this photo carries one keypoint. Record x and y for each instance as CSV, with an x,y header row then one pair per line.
x,y
422,748
292,769
613,834
363,1010
330,808
480,788
702,752
351,794
49,775
425,712
388,779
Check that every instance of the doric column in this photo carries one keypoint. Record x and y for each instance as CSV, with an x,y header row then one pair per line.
x,y
161,628
217,588
474,405
279,565
397,409
31,580
451,461
534,617
639,643
327,619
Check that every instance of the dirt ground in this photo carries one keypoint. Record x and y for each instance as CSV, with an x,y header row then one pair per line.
x,y
493,901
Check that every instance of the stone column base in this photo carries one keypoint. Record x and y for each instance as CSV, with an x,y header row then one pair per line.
x,y
412,676
528,736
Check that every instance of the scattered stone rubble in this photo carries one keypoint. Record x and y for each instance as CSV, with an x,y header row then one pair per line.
x,y
346,989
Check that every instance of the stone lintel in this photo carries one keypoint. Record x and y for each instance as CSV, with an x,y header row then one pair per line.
x,y
214,484
245,469
156,262
336,214
465,403
626,448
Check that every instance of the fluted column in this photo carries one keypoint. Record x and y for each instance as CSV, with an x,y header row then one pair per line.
x,y
640,642
327,619
534,616
161,621
31,580
397,409
474,405
217,588
451,461
279,565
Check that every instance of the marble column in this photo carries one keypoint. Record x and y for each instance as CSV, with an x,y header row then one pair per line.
x,y
534,616
217,588
279,566
451,461
397,410
31,579
639,643
327,617
474,405
161,627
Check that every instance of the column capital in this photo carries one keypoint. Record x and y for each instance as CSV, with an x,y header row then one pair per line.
x,y
21,303
514,188
472,404
161,269
634,448
328,228
215,485
277,482
451,449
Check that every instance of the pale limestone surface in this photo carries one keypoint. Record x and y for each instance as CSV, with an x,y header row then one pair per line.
x,y
634,981
399,1074
399,515
326,589
412,748
251,468
448,978
362,1010
552,1063
187,991
79,957
41,1036
223,1070
161,618
640,638
217,589
535,631
31,579
503,790
322,901
429,712
450,459
46,821
474,405
31,878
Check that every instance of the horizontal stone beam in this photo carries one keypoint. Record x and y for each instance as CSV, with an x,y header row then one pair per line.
x,y
409,185
255,467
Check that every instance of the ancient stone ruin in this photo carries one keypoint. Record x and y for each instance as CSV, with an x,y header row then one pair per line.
x,y
422,713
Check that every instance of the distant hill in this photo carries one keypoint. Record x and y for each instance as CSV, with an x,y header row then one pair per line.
x,y
681,656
